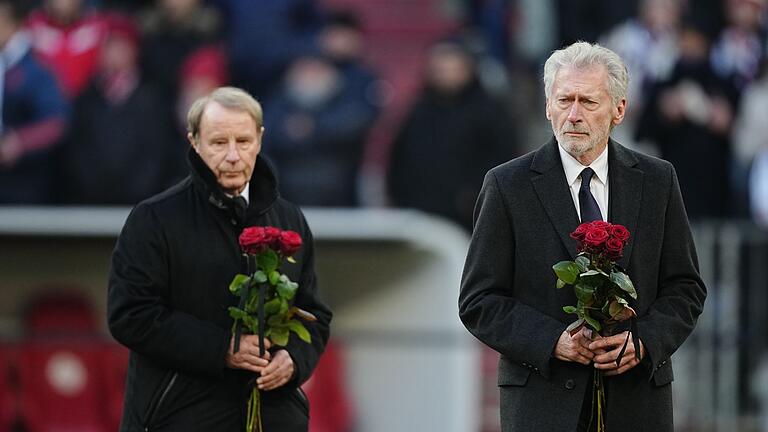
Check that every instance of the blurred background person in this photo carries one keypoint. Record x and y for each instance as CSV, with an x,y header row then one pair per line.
x,y
689,117
33,114
263,37
203,71
171,31
341,41
315,131
119,147
454,133
67,36
648,44
740,47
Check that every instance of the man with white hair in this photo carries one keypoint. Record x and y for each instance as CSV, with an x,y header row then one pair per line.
x,y
525,212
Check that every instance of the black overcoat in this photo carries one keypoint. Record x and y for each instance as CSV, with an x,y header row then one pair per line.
x,y
168,299
508,300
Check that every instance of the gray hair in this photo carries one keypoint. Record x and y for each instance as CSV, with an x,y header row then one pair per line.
x,y
228,97
584,54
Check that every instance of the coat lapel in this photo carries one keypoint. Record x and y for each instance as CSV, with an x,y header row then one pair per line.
x,y
553,192
626,191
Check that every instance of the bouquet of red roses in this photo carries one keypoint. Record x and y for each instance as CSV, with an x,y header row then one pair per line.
x,y
603,290
267,311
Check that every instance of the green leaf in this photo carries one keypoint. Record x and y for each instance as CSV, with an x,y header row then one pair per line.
x,y
274,277
301,331
272,307
278,336
592,322
287,290
267,261
569,309
237,313
237,283
583,263
584,293
275,320
291,260
560,284
259,277
567,271
623,282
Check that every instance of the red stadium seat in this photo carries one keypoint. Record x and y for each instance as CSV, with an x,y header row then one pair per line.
x,y
61,311
115,367
329,403
8,393
62,386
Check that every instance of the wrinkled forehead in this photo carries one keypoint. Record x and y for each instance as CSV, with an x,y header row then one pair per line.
x,y
591,80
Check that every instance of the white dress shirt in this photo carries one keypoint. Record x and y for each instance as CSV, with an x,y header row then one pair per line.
x,y
243,194
599,184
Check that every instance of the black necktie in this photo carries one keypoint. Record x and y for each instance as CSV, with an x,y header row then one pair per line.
x,y
587,204
241,205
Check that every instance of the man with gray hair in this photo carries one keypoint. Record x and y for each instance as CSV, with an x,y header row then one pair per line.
x,y
525,212
168,287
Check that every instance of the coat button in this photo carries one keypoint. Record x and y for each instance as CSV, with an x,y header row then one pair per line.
x,y
570,384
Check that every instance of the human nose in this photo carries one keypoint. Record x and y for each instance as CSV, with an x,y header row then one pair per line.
x,y
574,114
232,154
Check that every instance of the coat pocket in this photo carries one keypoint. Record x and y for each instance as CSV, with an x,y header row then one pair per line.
x,y
511,374
159,396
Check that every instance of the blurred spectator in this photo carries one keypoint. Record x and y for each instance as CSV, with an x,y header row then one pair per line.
x,y
750,133
67,35
172,30
689,116
33,114
264,37
315,133
738,51
341,40
201,73
118,151
758,188
454,133
648,45
588,19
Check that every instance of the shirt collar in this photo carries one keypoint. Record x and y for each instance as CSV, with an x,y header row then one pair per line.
x,y
243,194
573,167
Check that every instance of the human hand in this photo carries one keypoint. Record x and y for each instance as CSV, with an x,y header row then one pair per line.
x,y
575,348
610,348
278,372
247,357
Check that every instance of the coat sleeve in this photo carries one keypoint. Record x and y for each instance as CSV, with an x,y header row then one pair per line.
x,y
487,304
681,292
306,355
138,314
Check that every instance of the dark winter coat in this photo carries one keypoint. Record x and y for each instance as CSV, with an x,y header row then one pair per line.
x,y
508,299
168,299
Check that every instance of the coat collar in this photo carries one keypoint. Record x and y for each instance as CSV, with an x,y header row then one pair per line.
x,y
262,189
626,186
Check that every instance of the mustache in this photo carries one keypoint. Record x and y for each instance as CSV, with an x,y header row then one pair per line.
x,y
571,128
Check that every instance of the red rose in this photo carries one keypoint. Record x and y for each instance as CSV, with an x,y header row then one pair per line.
x,y
613,248
580,231
619,232
254,240
272,235
290,242
600,224
595,237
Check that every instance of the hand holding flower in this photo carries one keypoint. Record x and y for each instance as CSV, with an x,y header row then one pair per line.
x,y
278,372
247,357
